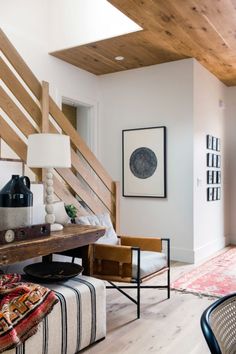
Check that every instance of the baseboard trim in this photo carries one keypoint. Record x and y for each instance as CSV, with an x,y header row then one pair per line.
x,y
182,255
209,249
199,254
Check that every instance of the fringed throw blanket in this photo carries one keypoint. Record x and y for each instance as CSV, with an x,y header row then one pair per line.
x,y
22,307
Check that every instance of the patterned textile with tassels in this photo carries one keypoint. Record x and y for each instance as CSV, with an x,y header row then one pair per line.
x,y
22,306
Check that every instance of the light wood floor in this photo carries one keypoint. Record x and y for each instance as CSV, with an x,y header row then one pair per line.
x,y
166,326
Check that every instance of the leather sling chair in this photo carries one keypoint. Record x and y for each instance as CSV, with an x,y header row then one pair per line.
x,y
125,259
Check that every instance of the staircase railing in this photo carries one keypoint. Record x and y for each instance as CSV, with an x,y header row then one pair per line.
x,y
20,100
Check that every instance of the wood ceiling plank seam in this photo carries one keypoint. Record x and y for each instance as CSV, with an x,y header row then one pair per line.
x,y
218,15
197,27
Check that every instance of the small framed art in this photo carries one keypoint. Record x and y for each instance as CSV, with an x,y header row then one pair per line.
x,y
214,162
215,193
209,142
214,177
209,160
218,195
218,144
218,163
144,162
210,194
218,178
214,143
209,177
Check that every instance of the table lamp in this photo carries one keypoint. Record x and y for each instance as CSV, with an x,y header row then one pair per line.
x,y
49,151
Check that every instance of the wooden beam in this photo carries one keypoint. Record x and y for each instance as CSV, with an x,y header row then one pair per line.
x,y
94,182
117,207
45,107
80,189
15,114
64,194
15,142
19,92
34,85
19,65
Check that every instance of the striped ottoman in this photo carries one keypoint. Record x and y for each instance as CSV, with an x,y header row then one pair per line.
x,y
76,321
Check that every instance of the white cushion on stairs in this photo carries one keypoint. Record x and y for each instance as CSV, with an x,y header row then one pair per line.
x,y
110,236
150,262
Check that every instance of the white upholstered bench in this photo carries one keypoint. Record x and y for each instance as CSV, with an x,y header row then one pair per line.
x,y
76,321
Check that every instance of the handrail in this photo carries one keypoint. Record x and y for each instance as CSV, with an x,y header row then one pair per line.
x,y
18,145
35,86
96,187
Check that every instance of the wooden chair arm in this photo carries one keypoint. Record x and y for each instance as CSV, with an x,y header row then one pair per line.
x,y
111,262
144,243
117,253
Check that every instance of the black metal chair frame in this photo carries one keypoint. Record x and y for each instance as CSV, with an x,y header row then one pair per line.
x,y
138,281
206,327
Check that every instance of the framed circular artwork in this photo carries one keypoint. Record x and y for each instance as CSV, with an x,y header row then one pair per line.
x,y
144,162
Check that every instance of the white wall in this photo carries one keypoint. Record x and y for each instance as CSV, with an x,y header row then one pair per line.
x,y
154,96
230,161
27,25
210,225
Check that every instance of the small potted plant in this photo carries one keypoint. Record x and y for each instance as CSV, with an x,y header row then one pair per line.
x,y
71,211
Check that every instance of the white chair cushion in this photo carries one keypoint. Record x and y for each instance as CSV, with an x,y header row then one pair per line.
x,y
110,236
150,262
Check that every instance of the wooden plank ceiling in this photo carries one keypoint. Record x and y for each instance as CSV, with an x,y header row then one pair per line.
x,y
172,30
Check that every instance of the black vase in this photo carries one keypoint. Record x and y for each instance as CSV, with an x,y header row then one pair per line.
x,y
16,203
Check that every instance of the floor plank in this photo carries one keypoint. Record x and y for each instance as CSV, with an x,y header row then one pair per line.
x,y
165,327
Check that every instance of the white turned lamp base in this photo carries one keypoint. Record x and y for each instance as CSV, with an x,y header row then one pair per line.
x,y
50,217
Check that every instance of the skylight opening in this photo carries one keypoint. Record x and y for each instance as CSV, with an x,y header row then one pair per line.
x,y
77,22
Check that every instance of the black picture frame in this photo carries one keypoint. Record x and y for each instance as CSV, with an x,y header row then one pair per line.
x,y
218,194
209,177
218,143
218,178
144,162
209,142
214,160
214,143
209,194
215,193
209,160
214,177
218,162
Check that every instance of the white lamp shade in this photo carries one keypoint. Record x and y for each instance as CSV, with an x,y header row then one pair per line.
x,y
48,150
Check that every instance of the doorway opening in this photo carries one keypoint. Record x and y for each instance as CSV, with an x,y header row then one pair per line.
x,y
82,117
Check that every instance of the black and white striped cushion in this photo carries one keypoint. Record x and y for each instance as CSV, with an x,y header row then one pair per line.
x,y
76,321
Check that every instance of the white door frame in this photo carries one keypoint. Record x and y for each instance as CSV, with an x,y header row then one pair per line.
x,y
92,120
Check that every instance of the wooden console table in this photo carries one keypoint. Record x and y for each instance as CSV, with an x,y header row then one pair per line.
x,y
71,237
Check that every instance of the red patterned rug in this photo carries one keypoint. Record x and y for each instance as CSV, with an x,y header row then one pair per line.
x,y
216,277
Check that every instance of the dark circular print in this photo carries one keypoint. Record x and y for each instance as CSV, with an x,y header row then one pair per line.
x,y
143,162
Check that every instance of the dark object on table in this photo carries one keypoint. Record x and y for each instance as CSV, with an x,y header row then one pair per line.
x,y
218,323
54,271
24,233
16,203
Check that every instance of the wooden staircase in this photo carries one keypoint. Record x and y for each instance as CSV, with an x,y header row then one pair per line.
x,y
20,100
